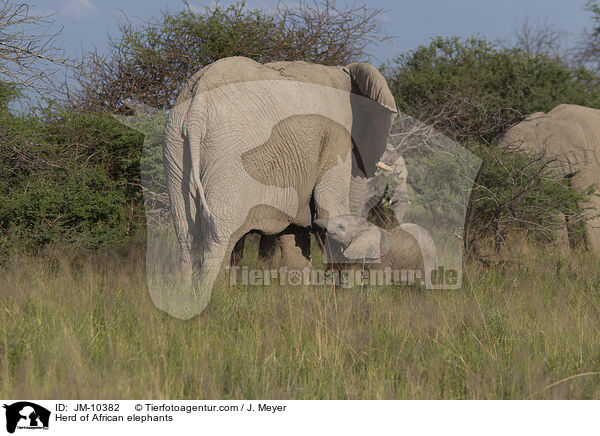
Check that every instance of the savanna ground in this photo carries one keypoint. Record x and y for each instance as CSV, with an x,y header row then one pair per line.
x,y
82,325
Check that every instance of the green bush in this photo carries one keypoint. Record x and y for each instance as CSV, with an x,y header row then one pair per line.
x,y
98,140
68,177
85,208
471,89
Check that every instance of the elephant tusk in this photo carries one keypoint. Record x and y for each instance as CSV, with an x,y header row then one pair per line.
x,y
384,166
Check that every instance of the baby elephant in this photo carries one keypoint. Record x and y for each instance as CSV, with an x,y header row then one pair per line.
x,y
351,239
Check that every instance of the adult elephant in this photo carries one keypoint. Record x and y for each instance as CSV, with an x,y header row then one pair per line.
x,y
569,135
252,147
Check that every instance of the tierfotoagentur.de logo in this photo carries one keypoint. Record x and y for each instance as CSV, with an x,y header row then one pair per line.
x,y
345,278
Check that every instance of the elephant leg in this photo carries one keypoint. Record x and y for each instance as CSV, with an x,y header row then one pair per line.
x,y
295,247
294,244
238,252
331,249
189,293
267,248
592,224
332,191
213,258
562,236
331,199
359,195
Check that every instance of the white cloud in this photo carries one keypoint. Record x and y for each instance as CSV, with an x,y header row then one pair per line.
x,y
79,9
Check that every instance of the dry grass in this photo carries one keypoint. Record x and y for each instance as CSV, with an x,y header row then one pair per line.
x,y
83,326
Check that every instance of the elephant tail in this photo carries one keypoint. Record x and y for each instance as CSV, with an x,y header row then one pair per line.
x,y
208,221
192,217
209,227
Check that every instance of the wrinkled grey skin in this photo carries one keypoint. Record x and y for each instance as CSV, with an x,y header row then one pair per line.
x,y
354,240
248,147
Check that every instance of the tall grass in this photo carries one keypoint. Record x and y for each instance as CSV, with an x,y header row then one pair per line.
x,y
76,325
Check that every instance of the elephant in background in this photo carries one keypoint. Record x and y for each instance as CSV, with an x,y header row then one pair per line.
x,y
570,134
252,147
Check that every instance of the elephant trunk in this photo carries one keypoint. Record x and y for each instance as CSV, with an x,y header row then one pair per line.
x,y
359,193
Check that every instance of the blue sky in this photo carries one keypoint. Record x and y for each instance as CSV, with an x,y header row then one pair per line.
x,y
413,22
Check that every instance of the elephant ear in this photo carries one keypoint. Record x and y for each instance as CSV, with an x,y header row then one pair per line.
x,y
372,84
369,244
